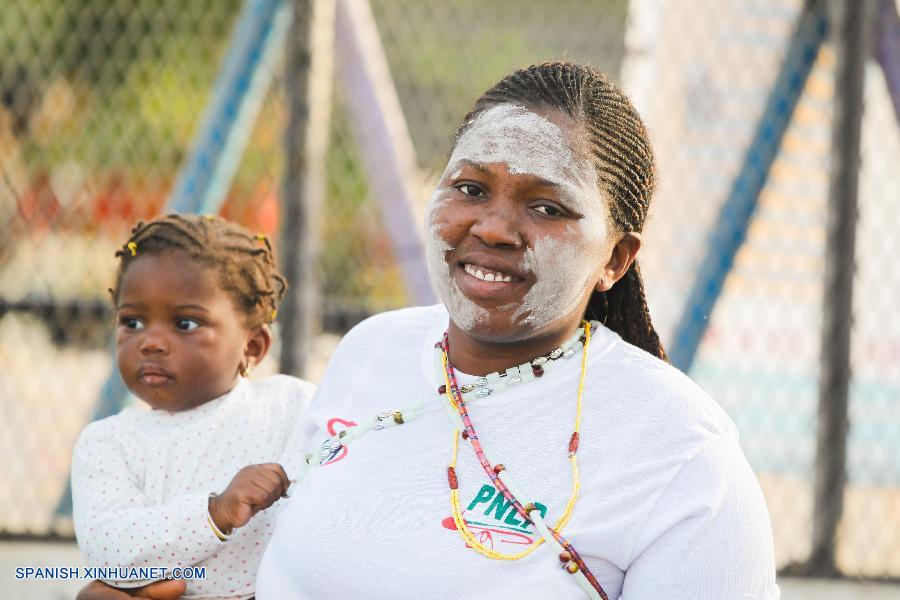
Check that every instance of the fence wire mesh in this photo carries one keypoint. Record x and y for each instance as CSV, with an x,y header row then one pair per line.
x,y
99,102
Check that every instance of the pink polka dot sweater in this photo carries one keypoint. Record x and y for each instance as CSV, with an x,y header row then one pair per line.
x,y
141,482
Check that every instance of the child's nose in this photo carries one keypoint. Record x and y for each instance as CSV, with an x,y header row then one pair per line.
x,y
154,342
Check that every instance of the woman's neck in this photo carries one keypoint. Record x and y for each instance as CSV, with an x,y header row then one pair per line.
x,y
476,356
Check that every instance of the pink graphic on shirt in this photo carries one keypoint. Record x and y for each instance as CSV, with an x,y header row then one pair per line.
x,y
335,426
491,537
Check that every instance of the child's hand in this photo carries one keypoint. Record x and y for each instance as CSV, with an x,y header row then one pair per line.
x,y
171,589
253,489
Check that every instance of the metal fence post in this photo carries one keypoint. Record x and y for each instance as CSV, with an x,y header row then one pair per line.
x,y
887,49
850,30
308,74
730,229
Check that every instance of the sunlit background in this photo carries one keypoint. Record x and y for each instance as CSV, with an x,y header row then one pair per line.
x,y
105,106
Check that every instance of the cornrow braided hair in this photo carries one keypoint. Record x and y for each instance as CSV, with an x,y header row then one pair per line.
x,y
623,159
244,261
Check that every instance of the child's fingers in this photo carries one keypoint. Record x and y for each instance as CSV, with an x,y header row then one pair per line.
x,y
280,472
171,589
97,590
263,496
270,479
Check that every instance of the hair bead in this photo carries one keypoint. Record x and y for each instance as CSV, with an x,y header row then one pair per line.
x,y
247,271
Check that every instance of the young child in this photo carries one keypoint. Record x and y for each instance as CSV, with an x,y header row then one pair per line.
x,y
181,485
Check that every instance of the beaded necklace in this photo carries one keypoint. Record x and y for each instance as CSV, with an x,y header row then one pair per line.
x,y
499,476
515,376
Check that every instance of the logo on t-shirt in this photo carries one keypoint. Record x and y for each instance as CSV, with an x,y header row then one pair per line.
x,y
495,523
334,427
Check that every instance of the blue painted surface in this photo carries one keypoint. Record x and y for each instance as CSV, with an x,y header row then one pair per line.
x,y
244,57
730,229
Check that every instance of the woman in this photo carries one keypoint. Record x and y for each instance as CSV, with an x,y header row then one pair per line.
x,y
531,454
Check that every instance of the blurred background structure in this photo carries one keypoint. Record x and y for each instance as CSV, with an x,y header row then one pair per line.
x,y
767,259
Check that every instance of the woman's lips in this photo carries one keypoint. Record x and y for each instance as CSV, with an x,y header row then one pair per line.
x,y
485,274
483,283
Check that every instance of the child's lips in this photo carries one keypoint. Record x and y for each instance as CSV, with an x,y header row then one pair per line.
x,y
154,375
154,379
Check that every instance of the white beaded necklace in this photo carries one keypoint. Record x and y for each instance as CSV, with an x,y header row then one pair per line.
x,y
515,376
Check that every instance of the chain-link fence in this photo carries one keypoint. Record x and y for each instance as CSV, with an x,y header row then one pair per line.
x,y
101,101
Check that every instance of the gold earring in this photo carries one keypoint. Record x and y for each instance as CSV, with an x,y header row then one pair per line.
x,y
244,369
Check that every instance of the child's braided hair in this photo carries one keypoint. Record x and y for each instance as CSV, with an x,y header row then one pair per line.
x,y
622,157
244,261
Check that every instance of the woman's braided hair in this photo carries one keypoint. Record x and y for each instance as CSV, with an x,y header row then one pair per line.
x,y
244,261
623,159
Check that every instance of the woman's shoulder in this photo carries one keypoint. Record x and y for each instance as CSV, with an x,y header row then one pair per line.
x,y
651,391
389,332
403,321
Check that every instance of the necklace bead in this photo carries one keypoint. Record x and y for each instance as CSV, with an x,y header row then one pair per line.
x,y
451,478
514,376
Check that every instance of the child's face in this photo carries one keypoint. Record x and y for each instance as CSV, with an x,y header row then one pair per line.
x,y
180,339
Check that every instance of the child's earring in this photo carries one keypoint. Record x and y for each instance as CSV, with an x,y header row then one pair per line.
x,y
244,369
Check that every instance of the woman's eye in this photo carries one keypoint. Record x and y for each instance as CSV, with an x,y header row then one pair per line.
x,y
186,324
131,323
470,189
549,210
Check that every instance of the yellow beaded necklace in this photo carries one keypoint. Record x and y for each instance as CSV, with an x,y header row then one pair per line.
x,y
458,519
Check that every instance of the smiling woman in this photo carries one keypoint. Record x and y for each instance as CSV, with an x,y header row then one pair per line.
x,y
570,441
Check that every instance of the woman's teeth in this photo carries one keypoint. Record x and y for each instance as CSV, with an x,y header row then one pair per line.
x,y
485,275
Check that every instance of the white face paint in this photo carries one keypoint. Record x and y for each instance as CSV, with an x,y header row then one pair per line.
x,y
561,275
465,313
527,143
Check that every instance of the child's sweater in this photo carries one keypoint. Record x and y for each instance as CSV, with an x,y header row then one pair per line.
x,y
141,481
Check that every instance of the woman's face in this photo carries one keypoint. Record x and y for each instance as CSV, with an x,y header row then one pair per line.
x,y
517,231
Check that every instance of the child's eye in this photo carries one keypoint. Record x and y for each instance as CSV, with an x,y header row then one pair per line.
x,y
549,210
470,189
186,324
131,323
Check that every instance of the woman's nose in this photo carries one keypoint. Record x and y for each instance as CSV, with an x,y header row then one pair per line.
x,y
498,225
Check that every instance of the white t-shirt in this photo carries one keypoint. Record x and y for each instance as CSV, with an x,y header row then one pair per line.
x,y
668,508
141,482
